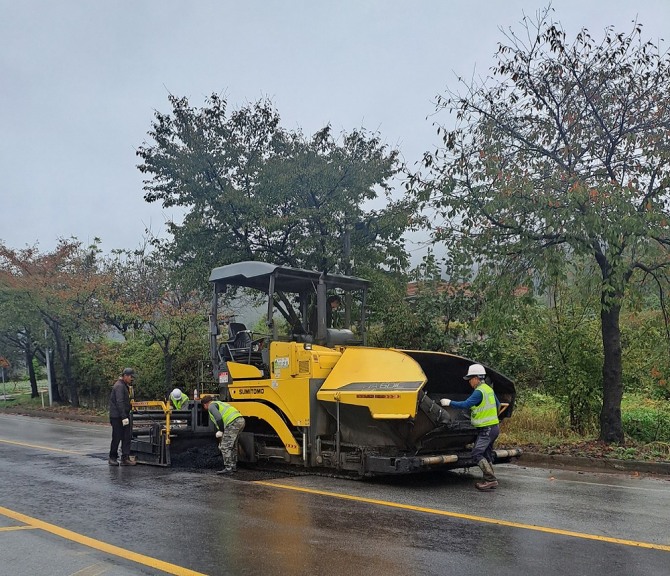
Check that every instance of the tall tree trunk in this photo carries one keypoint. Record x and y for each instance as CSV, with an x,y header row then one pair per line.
x,y
55,393
611,428
63,356
28,351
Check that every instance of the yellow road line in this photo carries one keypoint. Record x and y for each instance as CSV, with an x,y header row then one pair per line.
x,y
12,528
99,545
483,519
40,447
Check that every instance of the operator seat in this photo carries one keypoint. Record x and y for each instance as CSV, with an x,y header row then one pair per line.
x,y
238,345
238,334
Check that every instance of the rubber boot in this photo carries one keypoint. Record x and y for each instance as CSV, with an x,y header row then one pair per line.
x,y
490,481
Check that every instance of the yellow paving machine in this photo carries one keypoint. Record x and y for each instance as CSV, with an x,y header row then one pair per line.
x,y
313,394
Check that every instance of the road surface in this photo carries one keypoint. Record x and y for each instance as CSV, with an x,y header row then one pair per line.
x,y
64,511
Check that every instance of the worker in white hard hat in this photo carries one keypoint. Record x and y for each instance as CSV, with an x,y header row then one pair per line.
x,y
178,399
483,405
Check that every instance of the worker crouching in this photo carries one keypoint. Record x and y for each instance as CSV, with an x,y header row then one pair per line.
x,y
229,423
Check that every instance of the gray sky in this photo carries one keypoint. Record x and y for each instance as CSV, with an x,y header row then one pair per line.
x,y
80,81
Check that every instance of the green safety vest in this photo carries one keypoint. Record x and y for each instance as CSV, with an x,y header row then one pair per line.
x,y
486,412
179,403
228,413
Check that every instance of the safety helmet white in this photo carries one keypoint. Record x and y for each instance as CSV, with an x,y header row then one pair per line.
x,y
176,393
475,370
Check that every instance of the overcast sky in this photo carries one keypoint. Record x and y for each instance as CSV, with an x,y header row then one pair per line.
x,y
80,81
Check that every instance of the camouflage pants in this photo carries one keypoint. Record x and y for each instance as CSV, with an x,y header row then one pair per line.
x,y
228,443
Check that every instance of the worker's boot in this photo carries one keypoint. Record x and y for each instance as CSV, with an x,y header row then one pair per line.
x,y
113,461
127,462
490,480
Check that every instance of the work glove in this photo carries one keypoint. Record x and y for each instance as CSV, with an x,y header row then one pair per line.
x,y
219,434
125,421
445,402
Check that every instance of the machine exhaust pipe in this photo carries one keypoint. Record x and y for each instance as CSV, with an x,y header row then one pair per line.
x,y
437,460
513,453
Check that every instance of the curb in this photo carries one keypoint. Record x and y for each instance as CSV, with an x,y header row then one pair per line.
x,y
534,459
55,415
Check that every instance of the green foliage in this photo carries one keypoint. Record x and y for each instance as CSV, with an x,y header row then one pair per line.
x,y
60,288
434,316
647,425
541,424
646,420
625,453
79,297
538,419
549,163
40,370
148,361
255,191
391,322
146,296
645,354
555,349
191,364
574,358
98,366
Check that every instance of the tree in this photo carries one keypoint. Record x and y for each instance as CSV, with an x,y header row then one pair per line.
x,y
429,313
562,154
62,287
20,328
20,339
255,191
144,296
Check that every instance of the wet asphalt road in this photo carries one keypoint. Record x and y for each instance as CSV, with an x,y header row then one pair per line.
x,y
538,521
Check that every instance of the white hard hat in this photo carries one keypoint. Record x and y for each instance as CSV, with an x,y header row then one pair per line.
x,y
475,370
176,393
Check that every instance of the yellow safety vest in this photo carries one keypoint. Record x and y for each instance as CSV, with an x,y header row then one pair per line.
x,y
179,403
486,412
228,413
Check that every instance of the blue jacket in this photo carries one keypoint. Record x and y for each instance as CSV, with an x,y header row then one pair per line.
x,y
473,400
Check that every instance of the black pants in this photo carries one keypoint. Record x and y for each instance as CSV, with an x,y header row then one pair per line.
x,y
120,435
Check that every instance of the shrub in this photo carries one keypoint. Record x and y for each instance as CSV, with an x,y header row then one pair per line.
x,y
540,413
646,424
646,364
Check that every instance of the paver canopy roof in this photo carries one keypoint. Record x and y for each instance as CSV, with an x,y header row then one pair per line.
x,y
251,274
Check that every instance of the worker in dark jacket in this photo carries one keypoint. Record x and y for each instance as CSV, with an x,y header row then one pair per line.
x,y
119,418
229,423
484,406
